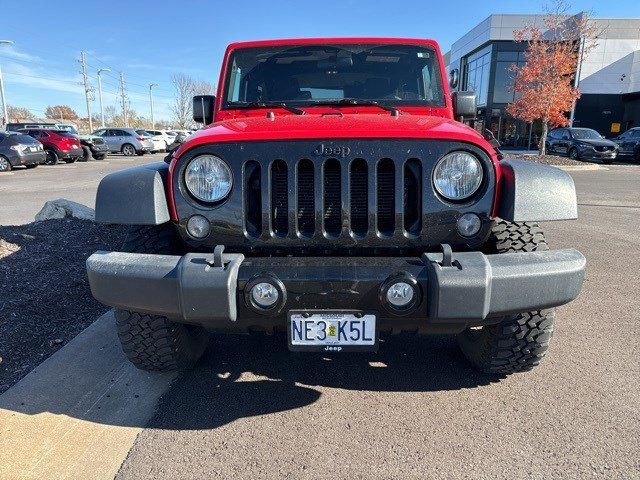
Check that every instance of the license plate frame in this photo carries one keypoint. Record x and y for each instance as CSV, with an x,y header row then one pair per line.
x,y
333,347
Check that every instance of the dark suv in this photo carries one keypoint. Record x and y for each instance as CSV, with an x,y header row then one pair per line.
x,y
581,144
58,144
629,144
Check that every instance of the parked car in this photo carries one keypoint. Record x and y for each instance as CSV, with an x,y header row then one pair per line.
x,y
389,217
629,144
125,140
164,135
18,149
93,146
159,144
17,126
57,144
581,144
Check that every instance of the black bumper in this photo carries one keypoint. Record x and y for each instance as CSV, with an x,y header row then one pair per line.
x,y
476,289
73,153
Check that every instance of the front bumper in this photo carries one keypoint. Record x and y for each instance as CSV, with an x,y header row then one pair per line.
x,y
590,153
99,149
475,289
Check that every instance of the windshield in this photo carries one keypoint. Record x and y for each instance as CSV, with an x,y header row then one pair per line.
x,y
67,128
63,133
585,134
143,133
304,75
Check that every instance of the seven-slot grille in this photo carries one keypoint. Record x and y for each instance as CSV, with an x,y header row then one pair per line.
x,y
333,198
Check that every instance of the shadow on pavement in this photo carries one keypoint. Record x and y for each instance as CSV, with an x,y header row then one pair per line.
x,y
218,392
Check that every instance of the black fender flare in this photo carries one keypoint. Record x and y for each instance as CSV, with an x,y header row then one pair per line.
x,y
533,192
134,196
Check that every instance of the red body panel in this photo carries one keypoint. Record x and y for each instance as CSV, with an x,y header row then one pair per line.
x,y
59,141
233,125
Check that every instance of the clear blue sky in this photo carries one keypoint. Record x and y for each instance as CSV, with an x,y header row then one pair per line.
x,y
151,40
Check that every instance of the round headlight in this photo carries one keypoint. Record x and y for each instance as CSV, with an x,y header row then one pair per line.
x,y
208,178
457,175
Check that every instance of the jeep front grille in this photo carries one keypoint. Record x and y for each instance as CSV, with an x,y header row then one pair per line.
x,y
365,197
347,192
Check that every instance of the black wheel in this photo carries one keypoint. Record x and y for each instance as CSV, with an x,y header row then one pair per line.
x,y
140,153
86,154
33,165
5,165
518,342
153,342
548,148
574,154
70,160
128,150
51,157
101,156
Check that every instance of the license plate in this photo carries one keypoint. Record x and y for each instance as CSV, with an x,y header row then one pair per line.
x,y
332,331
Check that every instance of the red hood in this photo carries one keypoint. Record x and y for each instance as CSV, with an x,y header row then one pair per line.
x,y
310,126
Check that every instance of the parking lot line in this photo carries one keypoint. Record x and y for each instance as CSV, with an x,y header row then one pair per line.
x,y
78,413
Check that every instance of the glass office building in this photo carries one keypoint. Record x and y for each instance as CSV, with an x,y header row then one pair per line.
x,y
607,77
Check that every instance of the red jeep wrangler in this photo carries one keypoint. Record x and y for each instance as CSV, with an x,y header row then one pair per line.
x,y
334,196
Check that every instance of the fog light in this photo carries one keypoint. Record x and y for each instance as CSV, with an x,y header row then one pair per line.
x,y
400,294
469,224
264,294
198,226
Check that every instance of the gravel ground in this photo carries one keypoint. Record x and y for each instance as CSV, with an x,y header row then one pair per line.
x,y
546,159
45,298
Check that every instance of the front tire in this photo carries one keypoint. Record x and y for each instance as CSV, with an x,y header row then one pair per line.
x,y
153,342
574,154
86,154
519,342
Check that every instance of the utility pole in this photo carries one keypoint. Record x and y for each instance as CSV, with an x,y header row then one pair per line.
x,y
100,70
83,62
5,118
153,123
124,100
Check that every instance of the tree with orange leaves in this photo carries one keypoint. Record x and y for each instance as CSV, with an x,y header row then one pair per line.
x,y
544,85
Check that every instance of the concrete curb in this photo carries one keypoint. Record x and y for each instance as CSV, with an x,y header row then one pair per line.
x,y
579,168
77,415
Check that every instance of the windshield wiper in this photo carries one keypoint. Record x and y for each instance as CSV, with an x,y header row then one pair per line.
x,y
295,110
357,102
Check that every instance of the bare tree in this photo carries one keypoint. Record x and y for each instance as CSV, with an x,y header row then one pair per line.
x,y
61,113
18,113
185,88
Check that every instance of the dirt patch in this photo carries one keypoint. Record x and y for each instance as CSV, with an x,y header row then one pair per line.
x,y
45,299
547,159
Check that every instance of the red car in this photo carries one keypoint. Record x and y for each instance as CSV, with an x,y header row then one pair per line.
x,y
333,196
58,144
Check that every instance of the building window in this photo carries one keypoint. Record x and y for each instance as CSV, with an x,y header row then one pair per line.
x,y
476,74
502,91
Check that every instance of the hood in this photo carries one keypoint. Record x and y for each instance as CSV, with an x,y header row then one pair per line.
x,y
331,125
597,142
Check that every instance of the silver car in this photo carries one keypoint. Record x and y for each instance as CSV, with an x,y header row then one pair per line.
x,y
125,140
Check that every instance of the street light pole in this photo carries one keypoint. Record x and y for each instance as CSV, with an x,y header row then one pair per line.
x,y
153,122
100,70
5,118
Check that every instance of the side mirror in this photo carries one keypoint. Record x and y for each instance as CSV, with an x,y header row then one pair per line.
x,y
203,106
464,105
454,77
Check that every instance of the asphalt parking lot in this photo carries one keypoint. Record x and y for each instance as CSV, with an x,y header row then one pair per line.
x,y
24,192
415,409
